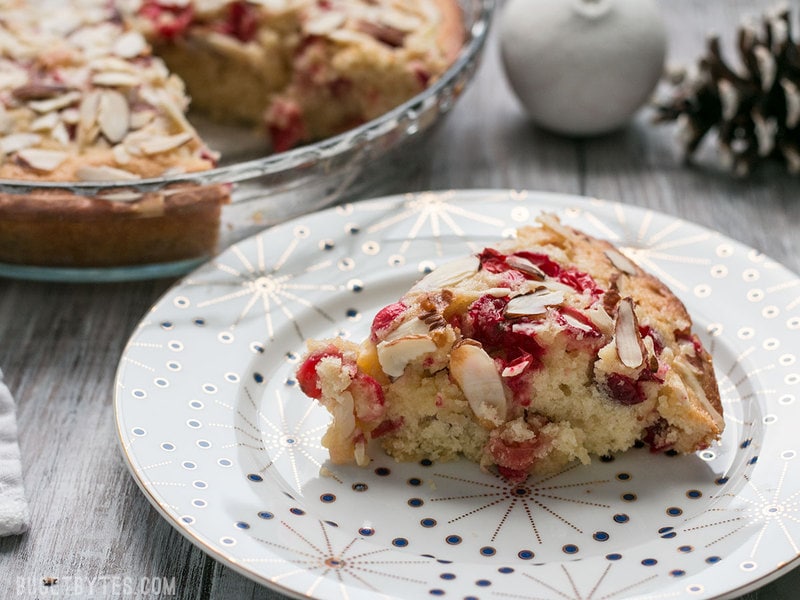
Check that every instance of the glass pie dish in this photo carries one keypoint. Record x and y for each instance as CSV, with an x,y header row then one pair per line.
x,y
263,190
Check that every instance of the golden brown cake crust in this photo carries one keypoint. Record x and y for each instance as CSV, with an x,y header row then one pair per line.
x,y
58,229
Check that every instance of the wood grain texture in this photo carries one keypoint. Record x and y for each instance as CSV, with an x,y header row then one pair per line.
x,y
60,343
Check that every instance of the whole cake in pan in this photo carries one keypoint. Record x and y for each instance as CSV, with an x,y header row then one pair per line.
x,y
96,91
524,357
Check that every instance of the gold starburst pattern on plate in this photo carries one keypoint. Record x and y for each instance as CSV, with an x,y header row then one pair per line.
x,y
501,500
265,287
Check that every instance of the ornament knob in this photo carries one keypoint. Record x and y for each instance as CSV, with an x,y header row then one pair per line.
x,y
591,9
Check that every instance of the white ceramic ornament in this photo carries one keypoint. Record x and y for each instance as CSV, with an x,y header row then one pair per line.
x,y
582,67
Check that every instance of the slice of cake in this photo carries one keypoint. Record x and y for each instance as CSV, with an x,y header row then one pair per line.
x,y
525,357
82,99
304,70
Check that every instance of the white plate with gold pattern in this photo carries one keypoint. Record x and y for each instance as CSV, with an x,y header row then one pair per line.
x,y
222,442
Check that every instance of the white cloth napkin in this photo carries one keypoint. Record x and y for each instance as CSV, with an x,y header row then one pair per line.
x,y
14,514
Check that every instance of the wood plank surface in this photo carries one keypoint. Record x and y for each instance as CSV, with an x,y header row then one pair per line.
x,y
60,342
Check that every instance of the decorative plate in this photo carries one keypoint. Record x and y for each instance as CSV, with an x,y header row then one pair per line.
x,y
225,446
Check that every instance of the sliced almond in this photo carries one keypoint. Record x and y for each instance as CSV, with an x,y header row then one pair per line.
x,y
551,221
601,319
360,452
622,262
627,337
165,101
650,352
116,79
386,34
448,274
408,327
104,173
130,45
576,323
45,123
57,103
476,374
325,23
535,303
7,122
395,355
70,116
141,118
523,264
120,153
690,379
18,141
495,292
113,115
87,117
165,143
38,91
402,21
60,133
515,369
42,160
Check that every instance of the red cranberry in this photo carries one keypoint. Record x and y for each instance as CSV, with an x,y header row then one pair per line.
x,y
385,317
495,262
307,372
387,426
286,127
515,459
485,320
656,436
577,323
624,389
169,21
512,475
422,75
368,398
658,341
242,21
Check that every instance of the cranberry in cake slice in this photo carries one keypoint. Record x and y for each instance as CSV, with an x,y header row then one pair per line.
x,y
525,357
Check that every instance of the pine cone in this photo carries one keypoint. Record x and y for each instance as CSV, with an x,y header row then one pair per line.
x,y
756,110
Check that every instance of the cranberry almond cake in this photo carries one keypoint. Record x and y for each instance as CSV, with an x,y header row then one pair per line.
x,y
525,357
83,99
96,91
306,69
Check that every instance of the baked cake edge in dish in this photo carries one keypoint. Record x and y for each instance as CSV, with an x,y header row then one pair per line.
x,y
84,98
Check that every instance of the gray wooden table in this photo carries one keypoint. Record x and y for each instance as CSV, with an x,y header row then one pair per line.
x,y
60,342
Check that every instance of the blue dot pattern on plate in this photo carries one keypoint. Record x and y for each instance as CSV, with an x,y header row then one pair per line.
x,y
215,429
